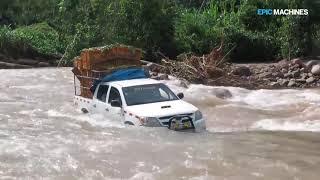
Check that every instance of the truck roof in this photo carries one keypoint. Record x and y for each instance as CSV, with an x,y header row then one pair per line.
x,y
133,82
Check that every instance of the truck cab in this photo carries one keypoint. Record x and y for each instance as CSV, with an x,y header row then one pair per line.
x,y
143,102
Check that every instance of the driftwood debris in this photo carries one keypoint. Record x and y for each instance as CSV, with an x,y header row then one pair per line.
x,y
195,68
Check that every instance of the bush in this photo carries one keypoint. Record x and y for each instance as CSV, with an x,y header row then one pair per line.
x,y
293,37
249,46
194,32
12,45
200,31
147,24
255,37
35,40
168,26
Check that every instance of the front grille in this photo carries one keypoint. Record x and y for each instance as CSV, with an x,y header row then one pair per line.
x,y
165,123
169,117
164,120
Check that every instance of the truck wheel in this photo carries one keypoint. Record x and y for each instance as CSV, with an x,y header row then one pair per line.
x,y
84,110
129,123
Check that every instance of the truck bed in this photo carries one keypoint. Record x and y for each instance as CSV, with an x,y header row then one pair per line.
x,y
84,104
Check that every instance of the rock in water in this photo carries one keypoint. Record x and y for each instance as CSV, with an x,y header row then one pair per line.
x,y
222,93
302,70
283,64
294,67
265,75
275,84
242,71
283,82
301,80
315,69
284,71
288,75
291,83
298,62
278,74
310,80
304,76
296,73
311,63
184,83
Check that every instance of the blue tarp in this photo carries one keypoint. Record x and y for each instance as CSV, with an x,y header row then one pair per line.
x,y
120,75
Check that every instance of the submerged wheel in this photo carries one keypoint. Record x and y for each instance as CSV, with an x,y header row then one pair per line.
x,y
172,125
84,110
129,123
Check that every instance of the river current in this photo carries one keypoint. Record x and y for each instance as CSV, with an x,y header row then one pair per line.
x,y
255,134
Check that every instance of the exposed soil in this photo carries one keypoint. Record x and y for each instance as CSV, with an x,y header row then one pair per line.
x,y
7,62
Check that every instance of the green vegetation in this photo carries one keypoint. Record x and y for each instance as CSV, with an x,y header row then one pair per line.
x,y
169,27
37,39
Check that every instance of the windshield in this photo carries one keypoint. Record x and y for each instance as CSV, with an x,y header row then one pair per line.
x,y
151,93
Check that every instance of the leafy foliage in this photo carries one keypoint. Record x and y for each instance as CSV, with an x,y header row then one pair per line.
x,y
31,40
167,26
254,37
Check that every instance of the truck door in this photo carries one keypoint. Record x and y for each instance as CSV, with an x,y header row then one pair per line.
x,y
115,112
99,100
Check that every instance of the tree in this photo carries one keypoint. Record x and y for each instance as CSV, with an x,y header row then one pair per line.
x,y
147,24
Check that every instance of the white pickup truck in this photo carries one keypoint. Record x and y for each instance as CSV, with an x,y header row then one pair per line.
x,y
142,102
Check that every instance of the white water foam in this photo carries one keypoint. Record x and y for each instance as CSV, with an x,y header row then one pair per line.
x,y
93,119
275,125
262,98
298,106
142,176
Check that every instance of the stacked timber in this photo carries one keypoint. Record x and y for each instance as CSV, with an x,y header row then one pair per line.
x,y
94,63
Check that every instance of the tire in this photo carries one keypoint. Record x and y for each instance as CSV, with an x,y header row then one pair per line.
x,y
129,123
84,110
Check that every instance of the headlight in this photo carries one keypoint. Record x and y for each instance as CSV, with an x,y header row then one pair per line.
x,y
198,115
151,122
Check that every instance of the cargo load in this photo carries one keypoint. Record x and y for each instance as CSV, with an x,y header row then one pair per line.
x,y
95,63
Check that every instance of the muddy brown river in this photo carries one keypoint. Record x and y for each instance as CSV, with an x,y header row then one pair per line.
x,y
261,134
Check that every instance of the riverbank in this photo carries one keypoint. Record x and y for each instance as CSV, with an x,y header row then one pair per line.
x,y
297,73
7,62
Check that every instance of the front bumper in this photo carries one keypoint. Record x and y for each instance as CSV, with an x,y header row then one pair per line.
x,y
199,125
196,126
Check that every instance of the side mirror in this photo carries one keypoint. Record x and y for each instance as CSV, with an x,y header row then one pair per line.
x,y
180,95
115,103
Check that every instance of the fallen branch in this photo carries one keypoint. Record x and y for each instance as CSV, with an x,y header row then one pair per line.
x,y
195,68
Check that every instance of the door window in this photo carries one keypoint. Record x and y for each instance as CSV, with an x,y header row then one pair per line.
x,y
114,95
102,93
164,94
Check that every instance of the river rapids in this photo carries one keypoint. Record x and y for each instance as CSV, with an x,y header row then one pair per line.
x,y
255,134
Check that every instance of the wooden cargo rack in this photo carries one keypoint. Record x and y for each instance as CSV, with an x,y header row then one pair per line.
x,y
95,63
